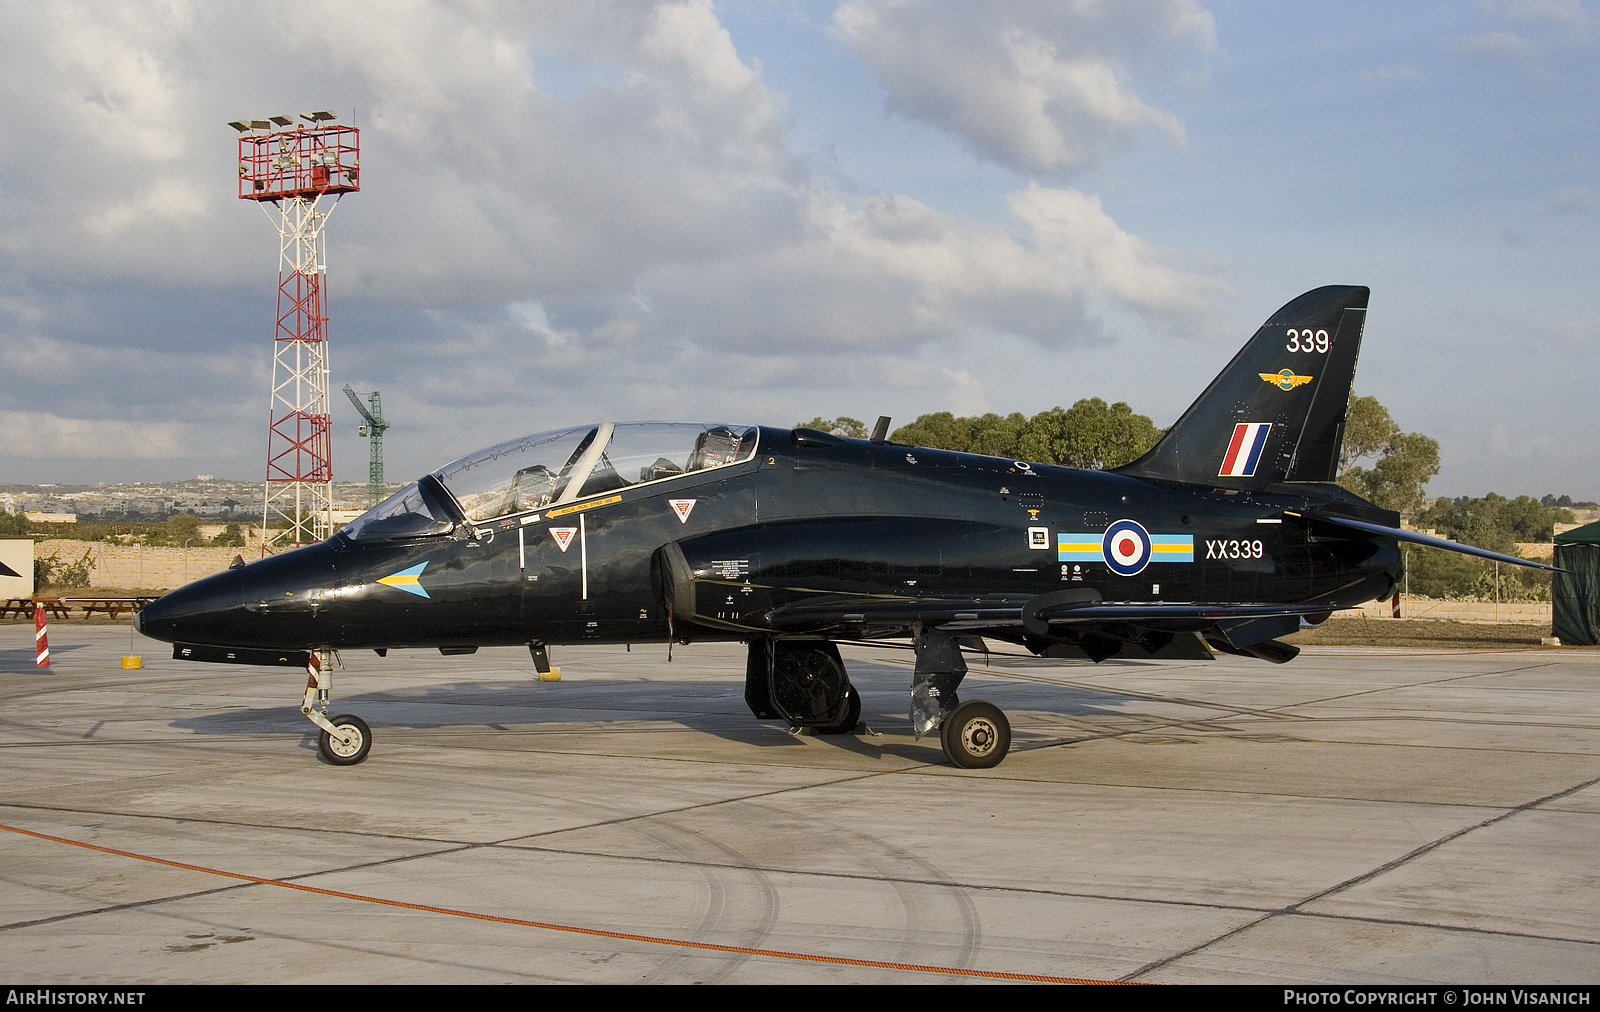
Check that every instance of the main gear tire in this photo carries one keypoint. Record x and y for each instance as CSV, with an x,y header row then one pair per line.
x,y
975,735
849,716
352,744
807,683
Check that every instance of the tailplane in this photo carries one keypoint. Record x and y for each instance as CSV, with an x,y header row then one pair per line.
x,y
1276,413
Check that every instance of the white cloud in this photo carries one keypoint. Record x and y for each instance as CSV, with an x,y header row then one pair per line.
x,y
966,394
1569,332
1569,14
1499,46
34,435
623,248
1038,88
1503,445
1400,72
1573,199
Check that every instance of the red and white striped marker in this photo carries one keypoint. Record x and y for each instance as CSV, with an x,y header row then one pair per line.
x,y
41,642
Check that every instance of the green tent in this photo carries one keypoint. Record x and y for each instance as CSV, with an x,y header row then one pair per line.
x,y
1575,594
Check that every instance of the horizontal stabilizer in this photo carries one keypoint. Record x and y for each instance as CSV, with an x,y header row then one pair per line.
x,y
1416,538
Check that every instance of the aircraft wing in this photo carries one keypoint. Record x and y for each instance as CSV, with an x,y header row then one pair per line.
x,y
1035,615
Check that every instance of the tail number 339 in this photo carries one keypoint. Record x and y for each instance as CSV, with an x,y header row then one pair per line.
x,y
1234,549
1308,340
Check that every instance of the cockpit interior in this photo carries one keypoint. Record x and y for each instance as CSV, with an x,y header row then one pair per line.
x,y
552,468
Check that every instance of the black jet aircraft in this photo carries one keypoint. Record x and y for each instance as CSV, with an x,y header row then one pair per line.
x,y
1227,535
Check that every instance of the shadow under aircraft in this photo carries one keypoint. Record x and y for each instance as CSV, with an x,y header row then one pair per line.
x,y
1228,534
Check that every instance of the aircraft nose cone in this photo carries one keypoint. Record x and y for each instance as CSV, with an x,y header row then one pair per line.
x,y
273,603
192,613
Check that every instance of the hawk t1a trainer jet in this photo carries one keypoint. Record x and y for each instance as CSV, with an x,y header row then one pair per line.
x,y
1228,534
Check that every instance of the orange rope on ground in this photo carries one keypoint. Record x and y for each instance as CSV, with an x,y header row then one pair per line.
x,y
571,929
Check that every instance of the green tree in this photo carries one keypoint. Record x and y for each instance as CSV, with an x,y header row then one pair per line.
x,y
844,423
231,537
180,529
1405,460
13,525
1493,522
940,430
1368,427
1091,434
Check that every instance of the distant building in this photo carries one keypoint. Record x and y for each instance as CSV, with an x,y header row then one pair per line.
x,y
50,518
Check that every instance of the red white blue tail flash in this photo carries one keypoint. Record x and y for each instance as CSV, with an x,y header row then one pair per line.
x,y
1244,451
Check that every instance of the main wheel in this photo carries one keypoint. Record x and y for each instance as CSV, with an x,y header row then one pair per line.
x,y
849,716
350,745
808,683
975,735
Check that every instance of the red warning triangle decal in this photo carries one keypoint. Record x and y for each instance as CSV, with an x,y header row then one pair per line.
x,y
563,536
682,507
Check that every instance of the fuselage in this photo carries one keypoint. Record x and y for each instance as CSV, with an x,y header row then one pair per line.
x,y
801,519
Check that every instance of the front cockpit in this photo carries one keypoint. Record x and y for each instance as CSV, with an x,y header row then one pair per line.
x,y
549,469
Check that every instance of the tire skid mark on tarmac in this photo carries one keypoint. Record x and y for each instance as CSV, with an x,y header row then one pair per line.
x,y
926,897
1294,909
734,875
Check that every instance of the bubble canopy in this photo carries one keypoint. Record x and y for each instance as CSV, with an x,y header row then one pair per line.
x,y
546,468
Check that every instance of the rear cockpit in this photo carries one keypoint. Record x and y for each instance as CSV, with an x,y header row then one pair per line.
x,y
551,468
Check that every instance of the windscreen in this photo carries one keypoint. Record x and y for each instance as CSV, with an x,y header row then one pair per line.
x,y
416,511
516,476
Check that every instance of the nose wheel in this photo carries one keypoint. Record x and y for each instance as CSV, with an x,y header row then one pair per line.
x,y
975,735
345,740
347,743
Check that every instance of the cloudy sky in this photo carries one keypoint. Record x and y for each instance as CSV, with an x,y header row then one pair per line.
x,y
763,211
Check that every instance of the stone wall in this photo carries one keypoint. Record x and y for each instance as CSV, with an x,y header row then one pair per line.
x,y
1414,606
139,567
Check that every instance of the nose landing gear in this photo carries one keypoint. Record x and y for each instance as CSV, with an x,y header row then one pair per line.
x,y
345,740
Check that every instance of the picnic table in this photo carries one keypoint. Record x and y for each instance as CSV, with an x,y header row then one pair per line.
x,y
61,607
23,606
113,606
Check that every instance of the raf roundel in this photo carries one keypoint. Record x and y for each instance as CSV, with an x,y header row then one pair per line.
x,y
1126,547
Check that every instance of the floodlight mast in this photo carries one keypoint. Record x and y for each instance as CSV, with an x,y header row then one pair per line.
x,y
295,169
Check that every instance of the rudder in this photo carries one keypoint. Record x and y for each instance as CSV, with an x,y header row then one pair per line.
x,y
1276,412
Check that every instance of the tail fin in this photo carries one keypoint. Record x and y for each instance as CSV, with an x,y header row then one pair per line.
x,y
1276,413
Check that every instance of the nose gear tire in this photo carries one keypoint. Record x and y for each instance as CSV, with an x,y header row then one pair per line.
x,y
975,735
349,745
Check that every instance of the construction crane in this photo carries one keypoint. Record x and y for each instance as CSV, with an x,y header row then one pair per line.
x,y
372,429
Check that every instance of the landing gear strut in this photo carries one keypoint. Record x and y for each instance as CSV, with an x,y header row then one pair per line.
x,y
975,734
345,740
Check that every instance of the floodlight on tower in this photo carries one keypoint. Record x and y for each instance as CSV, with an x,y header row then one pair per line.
x,y
295,169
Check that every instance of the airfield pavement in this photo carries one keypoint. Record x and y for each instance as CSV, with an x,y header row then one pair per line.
x,y
1356,816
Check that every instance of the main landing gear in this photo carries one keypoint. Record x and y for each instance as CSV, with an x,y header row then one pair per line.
x,y
804,683
345,740
975,734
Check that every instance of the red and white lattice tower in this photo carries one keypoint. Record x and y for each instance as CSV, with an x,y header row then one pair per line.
x,y
295,168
